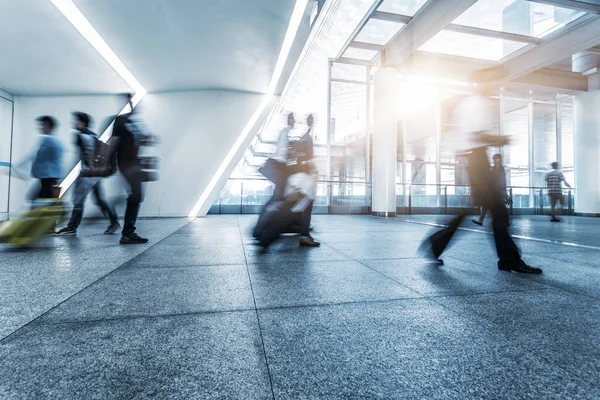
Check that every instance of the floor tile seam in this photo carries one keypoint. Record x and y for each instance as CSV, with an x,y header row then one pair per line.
x,y
259,325
482,321
547,284
122,318
271,308
521,237
187,266
87,286
380,273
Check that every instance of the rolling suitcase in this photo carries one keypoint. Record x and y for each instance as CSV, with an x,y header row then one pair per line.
x,y
274,221
34,224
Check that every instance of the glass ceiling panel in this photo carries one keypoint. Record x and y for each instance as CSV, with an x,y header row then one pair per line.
x,y
349,71
472,46
517,16
377,31
402,7
360,54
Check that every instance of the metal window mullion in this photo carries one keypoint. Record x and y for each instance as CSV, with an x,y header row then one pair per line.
x,y
328,158
531,153
558,134
438,150
368,126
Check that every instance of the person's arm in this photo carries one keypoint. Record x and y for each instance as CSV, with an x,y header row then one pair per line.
x,y
562,177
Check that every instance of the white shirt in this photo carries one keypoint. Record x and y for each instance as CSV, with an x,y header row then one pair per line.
x,y
473,114
282,145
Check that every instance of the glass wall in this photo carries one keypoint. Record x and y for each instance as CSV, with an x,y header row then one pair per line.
x,y
566,157
544,141
540,132
6,122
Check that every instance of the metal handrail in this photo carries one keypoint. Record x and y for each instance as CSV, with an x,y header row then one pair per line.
x,y
318,180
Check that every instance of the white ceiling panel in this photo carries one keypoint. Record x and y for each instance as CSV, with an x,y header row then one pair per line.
x,y
41,53
173,45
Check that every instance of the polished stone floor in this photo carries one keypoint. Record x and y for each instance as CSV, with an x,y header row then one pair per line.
x,y
200,312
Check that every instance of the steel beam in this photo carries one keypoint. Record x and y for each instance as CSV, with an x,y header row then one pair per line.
x,y
353,61
578,38
366,46
573,5
553,78
434,16
359,27
386,16
493,34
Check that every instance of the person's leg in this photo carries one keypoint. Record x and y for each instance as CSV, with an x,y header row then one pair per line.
x,y
106,209
79,197
484,211
434,245
482,215
509,257
133,201
306,239
552,206
47,188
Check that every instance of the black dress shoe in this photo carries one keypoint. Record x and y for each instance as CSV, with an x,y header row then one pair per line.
x,y
477,222
520,267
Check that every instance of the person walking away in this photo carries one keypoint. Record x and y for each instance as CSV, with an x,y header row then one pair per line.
x,y
46,165
85,140
307,159
473,121
554,180
279,160
125,143
498,181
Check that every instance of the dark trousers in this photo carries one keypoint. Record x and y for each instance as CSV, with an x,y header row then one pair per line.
x,y
305,219
133,177
80,198
47,188
507,250
279,178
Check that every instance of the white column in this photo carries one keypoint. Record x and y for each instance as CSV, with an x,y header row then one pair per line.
x,y
587,150
385,138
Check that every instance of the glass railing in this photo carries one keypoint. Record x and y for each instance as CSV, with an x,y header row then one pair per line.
x,y
450,199
249,195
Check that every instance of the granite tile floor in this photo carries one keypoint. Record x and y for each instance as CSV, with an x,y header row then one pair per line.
x,y
201,312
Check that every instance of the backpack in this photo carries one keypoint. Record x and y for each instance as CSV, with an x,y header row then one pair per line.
x,y
104,162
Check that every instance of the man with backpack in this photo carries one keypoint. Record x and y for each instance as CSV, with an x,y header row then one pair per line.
x,y
125,143
86,142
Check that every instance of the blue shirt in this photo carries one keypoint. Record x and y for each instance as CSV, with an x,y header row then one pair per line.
x,y
48,159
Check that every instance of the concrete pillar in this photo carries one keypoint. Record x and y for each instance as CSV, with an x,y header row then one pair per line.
x,y
586,148
385,142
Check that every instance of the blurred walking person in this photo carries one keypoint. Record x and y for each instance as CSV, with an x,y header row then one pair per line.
x,y
554,180
85,140
498,182
47,162
473,126
278,162
306,159
125,143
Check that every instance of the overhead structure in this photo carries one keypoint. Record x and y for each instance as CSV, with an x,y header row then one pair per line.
x,y
488,41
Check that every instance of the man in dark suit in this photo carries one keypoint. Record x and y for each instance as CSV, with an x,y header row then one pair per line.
x,y
473,124
498,182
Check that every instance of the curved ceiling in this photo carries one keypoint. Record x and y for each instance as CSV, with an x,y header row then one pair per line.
x,y
41,53
194,44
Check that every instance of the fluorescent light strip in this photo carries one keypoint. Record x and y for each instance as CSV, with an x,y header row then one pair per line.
x,y
80,22
286,47
83,26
